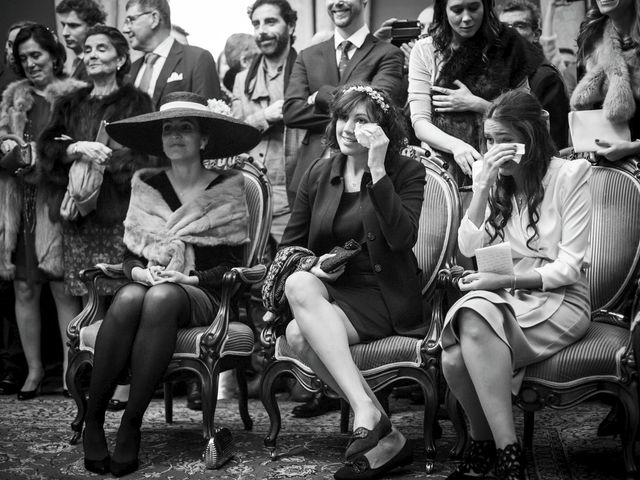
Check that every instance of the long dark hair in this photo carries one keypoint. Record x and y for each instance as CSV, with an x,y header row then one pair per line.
x,y
120,44
442,33
522,112
387,117
592,28
47,41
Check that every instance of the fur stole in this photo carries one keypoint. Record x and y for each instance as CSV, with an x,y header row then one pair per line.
x,y
612,79
165,237
503,67
16,102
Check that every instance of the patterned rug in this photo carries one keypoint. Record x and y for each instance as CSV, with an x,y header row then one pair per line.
x,y
34,444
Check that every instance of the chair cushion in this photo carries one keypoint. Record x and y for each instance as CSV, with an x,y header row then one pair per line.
x,y
367,356
239,339
593,355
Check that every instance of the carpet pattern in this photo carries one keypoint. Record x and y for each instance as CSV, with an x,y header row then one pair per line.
x,y
34,444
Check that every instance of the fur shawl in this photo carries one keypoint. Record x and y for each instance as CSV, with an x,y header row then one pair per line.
x,y
17,100
612,79
165,237
504,66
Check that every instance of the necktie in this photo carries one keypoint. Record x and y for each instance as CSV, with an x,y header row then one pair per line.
x,y
344,58
145,81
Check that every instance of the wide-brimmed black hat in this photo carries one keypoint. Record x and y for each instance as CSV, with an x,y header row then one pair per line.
x,y
227,135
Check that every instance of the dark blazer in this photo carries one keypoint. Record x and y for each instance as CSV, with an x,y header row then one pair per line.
x,y
390,217
197,67
547,84
378,63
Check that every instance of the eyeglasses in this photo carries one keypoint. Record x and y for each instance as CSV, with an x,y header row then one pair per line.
x,y
128,20
518,25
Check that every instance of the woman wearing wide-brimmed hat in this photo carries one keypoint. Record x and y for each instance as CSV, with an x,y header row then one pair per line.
x,y
184,228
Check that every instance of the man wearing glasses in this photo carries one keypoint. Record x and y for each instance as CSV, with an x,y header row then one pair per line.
x,y
546,82
167,65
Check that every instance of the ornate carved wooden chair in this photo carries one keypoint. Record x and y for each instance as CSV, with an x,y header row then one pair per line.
x,y
601,363
397,358
205,351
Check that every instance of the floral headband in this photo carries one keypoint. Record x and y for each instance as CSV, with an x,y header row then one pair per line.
x,y
374,94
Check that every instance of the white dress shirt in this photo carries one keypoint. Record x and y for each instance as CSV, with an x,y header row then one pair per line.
x,y
162,51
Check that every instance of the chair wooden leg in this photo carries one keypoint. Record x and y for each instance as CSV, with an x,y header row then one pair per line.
x,y
454,409
76,365
209,401
430,393
529,420
168,402
243,397
629,434
268,398
344,416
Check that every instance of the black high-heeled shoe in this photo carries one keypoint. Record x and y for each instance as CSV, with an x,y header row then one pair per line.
x,y
30,394
119,469
510,462
101,467
479,459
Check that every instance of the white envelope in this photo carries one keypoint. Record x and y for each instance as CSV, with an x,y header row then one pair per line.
x,y
174,77
588,125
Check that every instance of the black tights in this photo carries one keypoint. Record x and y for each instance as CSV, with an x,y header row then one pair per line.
x,y
139,328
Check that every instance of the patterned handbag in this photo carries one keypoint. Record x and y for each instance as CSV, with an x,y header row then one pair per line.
x,y
219,449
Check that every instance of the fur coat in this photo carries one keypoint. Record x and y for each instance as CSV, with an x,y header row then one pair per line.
x,y
17,100
504,66
78,115
219,216
612,79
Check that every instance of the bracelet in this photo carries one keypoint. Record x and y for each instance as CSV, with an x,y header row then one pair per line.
x,y
513,286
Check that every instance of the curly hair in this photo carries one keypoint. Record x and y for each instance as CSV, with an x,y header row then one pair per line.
x,y
87,10
592,28
120,44
522,112
442,33
46,39
391,121
288,14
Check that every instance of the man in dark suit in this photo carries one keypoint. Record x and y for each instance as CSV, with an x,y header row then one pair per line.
x,y
167,66
77,17
321,68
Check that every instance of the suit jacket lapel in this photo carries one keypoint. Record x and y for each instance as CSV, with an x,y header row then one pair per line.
x,y
359,55
175,55
328,62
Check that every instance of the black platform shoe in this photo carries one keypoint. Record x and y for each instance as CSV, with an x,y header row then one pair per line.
x,y
510,462
478,461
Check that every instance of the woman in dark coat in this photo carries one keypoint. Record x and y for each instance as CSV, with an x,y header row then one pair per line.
x,y
76,134
370,193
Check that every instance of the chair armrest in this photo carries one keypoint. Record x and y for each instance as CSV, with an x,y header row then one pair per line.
x,y
90,277
211,341
251,275
446,281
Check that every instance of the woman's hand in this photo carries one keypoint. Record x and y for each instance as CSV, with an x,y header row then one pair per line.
x,y
7,146
94,152
173,276
328,276
457,100
464,155
484,281
378,144
497,155
614,151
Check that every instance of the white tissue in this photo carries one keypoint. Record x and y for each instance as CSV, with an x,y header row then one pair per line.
x,y
363,133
